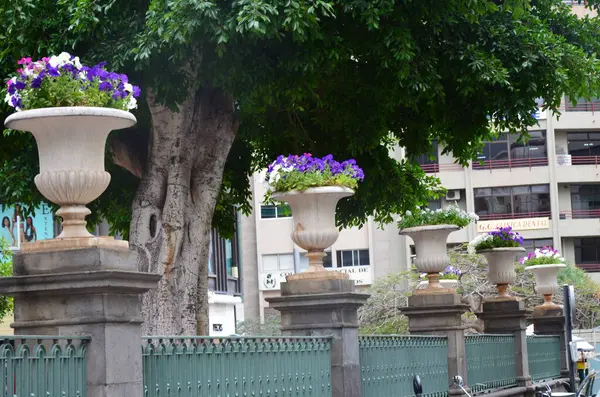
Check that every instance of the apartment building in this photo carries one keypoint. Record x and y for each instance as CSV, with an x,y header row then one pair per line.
x,y
547,189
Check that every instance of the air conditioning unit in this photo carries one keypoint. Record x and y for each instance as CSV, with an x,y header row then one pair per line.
x,y
453,195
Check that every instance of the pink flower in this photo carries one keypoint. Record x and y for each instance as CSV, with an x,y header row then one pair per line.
x,y
45,59
24,61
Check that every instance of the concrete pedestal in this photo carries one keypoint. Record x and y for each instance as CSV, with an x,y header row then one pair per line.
x,y
510,317
440,314
552,322
321,308
92,291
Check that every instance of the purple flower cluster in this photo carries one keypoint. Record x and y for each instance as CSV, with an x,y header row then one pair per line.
x,y
32,74
452,270
309,164
506,234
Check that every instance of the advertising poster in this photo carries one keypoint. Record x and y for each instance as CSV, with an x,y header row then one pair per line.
x,y
17,229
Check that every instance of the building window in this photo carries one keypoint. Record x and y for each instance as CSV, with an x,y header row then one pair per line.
x,y
278,263
223,264
507,151
352,258
532,245
583,144
327,262
512,202
275,211
587,250
429,161
434,204
585,201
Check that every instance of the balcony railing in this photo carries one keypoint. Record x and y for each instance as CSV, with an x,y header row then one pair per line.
x,y
580,214
435,168
581,107
589,267
520,215
515,163
585,160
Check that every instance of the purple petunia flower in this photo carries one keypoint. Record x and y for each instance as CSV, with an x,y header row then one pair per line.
x,y
105,86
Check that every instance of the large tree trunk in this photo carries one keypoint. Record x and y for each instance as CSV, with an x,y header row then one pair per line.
x,y
174,206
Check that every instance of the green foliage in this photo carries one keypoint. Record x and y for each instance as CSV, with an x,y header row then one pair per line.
x,y
64,90
253,327
502,237
352,78
6,302
296,180
544,256
451,215
496,242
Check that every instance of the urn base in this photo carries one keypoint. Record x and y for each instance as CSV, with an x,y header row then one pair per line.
x,y
75,243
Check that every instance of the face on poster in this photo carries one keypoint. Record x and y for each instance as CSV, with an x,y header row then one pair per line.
x,y
18,229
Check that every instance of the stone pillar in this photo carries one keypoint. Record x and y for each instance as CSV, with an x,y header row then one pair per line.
x,y
321,307
91,288
552,322
510,317
440,314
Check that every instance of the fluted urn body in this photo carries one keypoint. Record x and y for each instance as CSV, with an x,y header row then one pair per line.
x,y
313,214
71,145
546,282
431,253
501,268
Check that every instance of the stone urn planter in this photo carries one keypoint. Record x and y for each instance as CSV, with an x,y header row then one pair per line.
x,y
546,283
432,256
501,269
313,214
71,145
446,284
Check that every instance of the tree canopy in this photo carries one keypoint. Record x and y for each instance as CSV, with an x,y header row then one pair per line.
x,y
348,77
229,85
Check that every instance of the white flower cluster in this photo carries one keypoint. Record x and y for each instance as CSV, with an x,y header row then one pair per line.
x,y
475,242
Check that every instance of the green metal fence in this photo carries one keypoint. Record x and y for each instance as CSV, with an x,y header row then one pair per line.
x,y
389,363
490,362
42,366
544,357
217,367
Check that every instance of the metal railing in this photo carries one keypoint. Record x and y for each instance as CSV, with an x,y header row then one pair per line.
x,y
509,164
388,364
520,215
589,267
544,357
435,168
583,106
585,160
189,366
490,362
36,366
580,214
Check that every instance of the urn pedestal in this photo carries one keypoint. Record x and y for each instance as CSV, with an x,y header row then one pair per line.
x,y
432,255
501,269
313,214
546,284
71,145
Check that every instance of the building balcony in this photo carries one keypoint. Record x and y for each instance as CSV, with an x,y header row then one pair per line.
x,y
589,267
519,215
574,169
509,164
579,223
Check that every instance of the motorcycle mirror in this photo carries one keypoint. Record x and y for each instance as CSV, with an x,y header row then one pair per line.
x,y
417,385
458,380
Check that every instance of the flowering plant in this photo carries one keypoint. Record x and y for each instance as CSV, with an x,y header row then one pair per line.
x,y
543,256
500,238
451,215
303,172
451,273
63,81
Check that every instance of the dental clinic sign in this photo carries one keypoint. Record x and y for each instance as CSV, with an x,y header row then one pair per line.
x,y
516,224
271,281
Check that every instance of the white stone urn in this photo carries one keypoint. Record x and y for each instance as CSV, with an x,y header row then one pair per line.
x,y
501,269
432,255
313,214
546,283
71,145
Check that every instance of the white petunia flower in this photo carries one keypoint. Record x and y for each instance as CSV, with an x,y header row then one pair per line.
x,y
77,63
128,87
132,103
